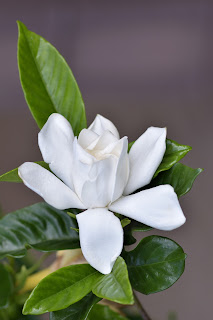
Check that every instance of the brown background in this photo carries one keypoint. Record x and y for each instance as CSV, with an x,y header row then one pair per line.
x,y
140,63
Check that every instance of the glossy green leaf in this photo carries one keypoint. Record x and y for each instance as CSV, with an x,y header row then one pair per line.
x,y
134,226
155,264
180,177
39,226
115,286
12,176
6,287
47,81
60,289
100,312
174,153
77,311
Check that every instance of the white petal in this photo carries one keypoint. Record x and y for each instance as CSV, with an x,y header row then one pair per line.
x,y
122,170
157,207
101,238
55,142
145,156
48,186
100,124
92,178
86,137
105,145
104,141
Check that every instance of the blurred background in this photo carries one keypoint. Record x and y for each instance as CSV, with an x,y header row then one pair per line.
x,y
139,63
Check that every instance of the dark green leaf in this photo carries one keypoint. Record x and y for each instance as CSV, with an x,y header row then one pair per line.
x,y
78,310
155,264
132,312
39,226
100,312
29,317
174,153
115,286
12,176
134,226
47,81
129,239
60,289
180,177
137,226
134,317
6,287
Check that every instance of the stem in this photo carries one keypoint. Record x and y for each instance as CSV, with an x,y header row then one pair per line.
x,y
143,312
24,274
38,263
33,280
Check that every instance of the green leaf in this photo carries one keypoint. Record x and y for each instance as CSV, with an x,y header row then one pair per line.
x,y
133,227
180,177
115,286
129,239
12,176
60,289
6,287
174,153
22,317
125,222
100,312
155,264
132,312
134,317
47,81
77,311
39,226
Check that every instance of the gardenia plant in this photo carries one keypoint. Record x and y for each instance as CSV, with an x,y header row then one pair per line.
x,y
98,189
98,174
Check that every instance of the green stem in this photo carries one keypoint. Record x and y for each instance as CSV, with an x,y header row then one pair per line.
x,y
143,312
21,277
36,266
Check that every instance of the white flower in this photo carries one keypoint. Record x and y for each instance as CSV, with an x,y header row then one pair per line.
x,y
96,173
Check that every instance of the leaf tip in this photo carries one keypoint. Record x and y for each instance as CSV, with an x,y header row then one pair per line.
x,y
21,27
189,148
20,24
24,310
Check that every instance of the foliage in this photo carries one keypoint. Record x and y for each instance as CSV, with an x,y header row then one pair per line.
x,y
48,83
74,291
39,226
150,273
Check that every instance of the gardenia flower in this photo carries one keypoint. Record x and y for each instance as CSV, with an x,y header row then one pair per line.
x,y
95,172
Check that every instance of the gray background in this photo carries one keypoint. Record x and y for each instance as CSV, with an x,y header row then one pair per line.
x,y
140,63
